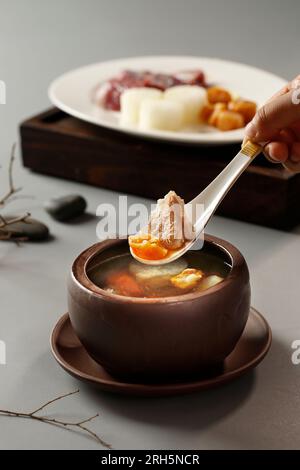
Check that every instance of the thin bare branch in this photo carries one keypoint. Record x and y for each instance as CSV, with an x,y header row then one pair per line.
x,y
60,397
11,188
2,220
5,223
6,230
95,436
84,421
10,168
79,425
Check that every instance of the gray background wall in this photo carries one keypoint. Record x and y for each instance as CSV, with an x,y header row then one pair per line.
x,y
41,39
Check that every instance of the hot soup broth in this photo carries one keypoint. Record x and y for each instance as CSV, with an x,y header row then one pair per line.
x,y
118,273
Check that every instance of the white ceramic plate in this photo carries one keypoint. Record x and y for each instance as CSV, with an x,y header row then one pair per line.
x,y
72,92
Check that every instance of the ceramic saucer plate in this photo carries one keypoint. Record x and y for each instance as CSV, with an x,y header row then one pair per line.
x,y
249,351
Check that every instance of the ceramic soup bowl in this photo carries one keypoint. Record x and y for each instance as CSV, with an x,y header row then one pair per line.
x,y
159,338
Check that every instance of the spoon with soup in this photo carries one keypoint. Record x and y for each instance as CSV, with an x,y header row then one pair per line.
x,y
170,232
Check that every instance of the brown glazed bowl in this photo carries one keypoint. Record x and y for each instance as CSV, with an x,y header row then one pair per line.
x,y
159,338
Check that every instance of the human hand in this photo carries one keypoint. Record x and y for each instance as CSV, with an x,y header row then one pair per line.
x,y
277,125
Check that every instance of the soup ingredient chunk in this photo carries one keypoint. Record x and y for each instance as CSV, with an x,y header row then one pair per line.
x,y
167,229
119,274
218,95
206,112
222,118
124,284
108,94
229,120
187,279
131,101
167,221
192,97
246,108
142,272
225,112
210,281
146,247
162,115
217,109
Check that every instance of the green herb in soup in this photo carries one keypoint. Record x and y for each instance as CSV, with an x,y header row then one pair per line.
x,y
194,272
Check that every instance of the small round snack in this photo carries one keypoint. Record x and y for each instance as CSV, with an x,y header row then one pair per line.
x,y
218,107
229,120
218,95
206,112
246,108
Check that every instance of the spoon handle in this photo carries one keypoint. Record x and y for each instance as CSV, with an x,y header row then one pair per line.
x,y
215,192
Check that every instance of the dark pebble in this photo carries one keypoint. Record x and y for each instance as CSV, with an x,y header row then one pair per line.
x,y
31,229
66,207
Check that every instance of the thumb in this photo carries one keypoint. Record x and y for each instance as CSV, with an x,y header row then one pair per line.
x,y
275,115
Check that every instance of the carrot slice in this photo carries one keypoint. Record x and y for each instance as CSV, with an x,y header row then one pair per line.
x,y
124,284
146,247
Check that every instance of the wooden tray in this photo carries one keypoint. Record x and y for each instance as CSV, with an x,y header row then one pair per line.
x,y
57,144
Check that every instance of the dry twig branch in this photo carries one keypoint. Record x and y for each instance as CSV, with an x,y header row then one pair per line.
x,y
10,234
76,425
6,232
11,188
4,222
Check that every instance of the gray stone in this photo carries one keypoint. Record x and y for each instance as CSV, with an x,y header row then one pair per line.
x,y
66,207
29,229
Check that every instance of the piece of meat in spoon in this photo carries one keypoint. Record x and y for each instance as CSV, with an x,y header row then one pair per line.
x,y
166,222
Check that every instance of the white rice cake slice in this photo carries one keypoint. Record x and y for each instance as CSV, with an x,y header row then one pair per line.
x,y
131,100
192,97
143,272
163,115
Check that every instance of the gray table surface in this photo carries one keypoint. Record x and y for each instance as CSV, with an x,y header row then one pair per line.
x,y
40,40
